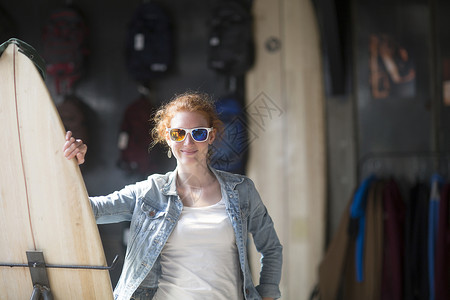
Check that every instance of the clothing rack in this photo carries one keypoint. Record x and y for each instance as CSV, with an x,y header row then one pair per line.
x,y
409,166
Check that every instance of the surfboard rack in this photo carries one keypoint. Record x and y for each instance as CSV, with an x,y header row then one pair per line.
x,y
38,270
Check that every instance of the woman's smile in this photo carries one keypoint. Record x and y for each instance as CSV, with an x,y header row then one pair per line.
x,y
189,152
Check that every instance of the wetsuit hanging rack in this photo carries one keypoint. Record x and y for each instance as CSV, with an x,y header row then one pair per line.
x,y
409,165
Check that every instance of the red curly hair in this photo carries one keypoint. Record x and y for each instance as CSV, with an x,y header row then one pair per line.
x,y
191,102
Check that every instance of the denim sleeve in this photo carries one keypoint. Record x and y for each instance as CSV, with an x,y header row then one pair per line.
x,y
266,241
115,207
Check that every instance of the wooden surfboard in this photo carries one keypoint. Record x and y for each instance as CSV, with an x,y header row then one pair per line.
x,y
44,205
286,113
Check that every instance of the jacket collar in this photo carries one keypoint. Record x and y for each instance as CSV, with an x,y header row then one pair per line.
x,y
170,187
227,180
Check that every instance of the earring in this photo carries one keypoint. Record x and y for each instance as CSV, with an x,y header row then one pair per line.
x,y
169,153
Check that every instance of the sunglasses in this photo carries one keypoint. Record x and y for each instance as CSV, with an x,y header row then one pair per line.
x,y
198,134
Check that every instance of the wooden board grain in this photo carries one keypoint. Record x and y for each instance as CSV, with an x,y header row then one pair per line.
x,y
287,161
44,205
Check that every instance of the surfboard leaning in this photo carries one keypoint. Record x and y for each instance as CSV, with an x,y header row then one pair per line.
x,y
44,205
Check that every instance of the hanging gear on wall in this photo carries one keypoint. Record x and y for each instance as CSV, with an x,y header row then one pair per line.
x,y
135,140
76,116
231,47
230,149
149,45
65,47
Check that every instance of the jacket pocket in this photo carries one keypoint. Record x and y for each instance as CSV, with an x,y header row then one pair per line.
x,y
149,217
146,218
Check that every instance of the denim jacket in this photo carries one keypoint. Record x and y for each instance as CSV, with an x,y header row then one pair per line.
x,y
153,207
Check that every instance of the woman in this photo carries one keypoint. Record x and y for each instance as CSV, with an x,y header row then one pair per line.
x,y
188,233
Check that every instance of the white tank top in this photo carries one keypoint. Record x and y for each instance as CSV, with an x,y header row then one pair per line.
x,y
200,259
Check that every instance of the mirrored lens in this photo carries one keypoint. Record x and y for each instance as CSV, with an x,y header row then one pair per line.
x,y
177,135
200,134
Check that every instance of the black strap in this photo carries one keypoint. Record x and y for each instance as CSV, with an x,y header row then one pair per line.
x,y
27,50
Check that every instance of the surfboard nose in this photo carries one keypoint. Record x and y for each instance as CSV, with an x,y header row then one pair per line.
x,y
28,51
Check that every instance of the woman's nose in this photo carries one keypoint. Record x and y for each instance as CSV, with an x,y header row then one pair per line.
x,y
189,140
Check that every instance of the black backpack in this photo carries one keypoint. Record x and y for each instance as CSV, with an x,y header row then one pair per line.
x,y
231,47
65,47
149,45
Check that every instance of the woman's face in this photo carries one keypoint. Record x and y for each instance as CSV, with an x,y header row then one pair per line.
x,y
188,151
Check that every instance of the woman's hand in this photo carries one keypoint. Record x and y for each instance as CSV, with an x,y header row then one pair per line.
x,y
74,148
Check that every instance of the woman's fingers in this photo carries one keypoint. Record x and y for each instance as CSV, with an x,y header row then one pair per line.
x,y
74,148
80,158
68,135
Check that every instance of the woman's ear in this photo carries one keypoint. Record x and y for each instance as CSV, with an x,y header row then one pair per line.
x,y
212,136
